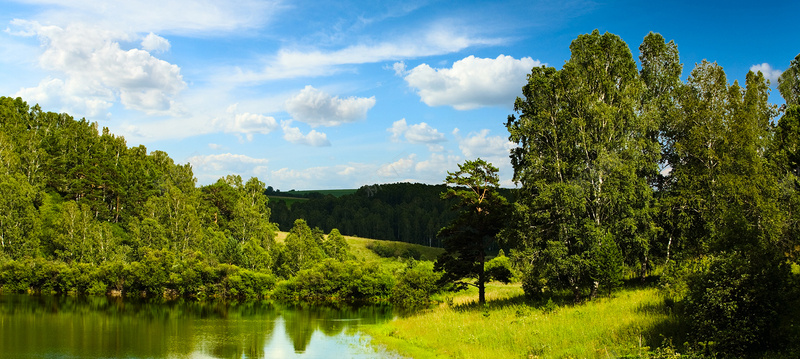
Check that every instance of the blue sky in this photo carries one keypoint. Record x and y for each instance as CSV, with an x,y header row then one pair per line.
x,y
340,94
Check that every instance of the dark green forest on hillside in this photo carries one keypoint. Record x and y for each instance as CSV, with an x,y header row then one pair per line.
x,y
405,212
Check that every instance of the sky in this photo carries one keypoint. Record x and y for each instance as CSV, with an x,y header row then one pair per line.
x,y
341,94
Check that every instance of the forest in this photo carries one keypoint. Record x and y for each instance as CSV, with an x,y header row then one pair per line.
x,y
626,173
405,212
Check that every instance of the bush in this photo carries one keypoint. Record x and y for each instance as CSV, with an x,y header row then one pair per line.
x,y
733,304
334,281
499,268
415,285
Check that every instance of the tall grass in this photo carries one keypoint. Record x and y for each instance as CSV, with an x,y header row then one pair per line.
x,y
510,327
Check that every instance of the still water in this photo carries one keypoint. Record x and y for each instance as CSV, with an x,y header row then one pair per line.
x,y
99,327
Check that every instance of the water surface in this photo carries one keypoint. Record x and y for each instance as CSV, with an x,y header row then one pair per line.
x,y
100,327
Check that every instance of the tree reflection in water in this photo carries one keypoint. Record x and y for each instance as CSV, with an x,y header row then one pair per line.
x,y
47,326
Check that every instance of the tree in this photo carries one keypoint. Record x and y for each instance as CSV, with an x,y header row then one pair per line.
x,y
728,220
19,220
335,246
302,250
789,83
585,161
481,214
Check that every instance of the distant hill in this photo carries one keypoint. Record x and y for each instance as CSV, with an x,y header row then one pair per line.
x,y
405,212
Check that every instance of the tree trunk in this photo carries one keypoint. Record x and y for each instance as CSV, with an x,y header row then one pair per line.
x,y
576,291
482,280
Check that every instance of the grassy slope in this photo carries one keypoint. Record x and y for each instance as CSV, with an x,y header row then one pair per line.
x,y
511,327
358,247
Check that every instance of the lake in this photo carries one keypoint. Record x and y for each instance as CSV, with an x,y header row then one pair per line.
x,y
99,327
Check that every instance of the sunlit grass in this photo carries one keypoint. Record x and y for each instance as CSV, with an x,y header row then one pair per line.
x,y
358,247
509,326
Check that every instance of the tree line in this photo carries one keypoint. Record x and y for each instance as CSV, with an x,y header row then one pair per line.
x,y
81,212
623,169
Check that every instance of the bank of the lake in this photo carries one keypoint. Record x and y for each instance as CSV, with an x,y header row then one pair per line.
x,y
625,323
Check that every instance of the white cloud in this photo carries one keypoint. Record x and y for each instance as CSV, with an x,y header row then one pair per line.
x,y
399,168
399,68
313,138
213,167
338,176
215,146
434,169
292,63
96,71
318,108
155,43
245,123
480,144
769,73
418,133
472,82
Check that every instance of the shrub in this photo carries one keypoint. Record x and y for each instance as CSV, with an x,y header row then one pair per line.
x,y
733,304
332,281
415,285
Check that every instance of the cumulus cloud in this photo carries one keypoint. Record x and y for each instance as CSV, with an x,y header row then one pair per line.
x,y
472,82
318,108
434,169
96,71
245,123
155,43
769,73
480,144
219,165
294,135
399,168
417,133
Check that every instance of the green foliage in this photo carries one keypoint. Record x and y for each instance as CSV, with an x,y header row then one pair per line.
x,y
481,213
332,281
585,161
335,246
415,285
789,83
393,250
302,249
500,269
619,168
734,303
158,274
19,220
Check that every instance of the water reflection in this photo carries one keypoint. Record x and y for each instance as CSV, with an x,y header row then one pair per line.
x,y
99,327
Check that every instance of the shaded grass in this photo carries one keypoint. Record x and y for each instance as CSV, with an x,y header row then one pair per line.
x,y
512,326
358,247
